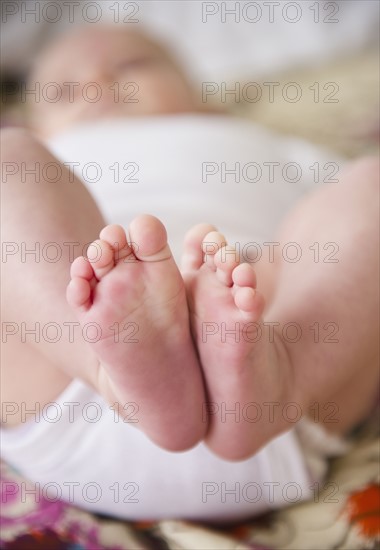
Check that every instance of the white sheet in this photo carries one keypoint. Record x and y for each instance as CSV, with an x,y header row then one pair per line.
x,y
250,42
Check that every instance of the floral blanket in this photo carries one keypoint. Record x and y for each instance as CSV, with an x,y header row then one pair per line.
x,y
344,514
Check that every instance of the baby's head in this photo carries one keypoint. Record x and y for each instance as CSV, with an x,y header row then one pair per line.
x,y
105,71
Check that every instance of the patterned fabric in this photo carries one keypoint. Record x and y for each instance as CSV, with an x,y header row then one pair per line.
x,y
344,514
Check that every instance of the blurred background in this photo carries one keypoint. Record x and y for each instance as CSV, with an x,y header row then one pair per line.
x,y
329,49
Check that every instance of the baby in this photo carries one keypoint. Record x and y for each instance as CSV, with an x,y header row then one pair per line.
x,y
191,348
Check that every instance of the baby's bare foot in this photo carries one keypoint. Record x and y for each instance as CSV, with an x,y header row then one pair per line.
x,y
240,365
132,297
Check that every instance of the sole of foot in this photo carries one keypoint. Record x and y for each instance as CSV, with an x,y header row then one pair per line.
x,y
239,364
130,299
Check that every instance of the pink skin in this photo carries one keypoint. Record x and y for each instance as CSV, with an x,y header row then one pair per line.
x,y
222,297
131,75
148,357
141,288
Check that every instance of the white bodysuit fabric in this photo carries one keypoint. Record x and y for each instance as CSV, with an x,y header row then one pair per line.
x,y
79,449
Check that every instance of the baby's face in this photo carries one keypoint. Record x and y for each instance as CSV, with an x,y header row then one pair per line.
x,y
105,72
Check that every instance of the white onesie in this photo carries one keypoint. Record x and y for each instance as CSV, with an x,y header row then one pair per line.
x,y
185,170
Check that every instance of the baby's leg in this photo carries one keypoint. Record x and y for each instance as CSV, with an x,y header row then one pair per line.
x,y
330,372
333,294
59,219
52,219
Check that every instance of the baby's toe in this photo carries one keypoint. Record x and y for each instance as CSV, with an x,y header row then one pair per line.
x,y
249,301
115,236
193,256
101,256
226,260
78,293
81,267
212,242
149,239
244,275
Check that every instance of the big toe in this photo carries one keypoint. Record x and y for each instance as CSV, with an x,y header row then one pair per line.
x,y
149,239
